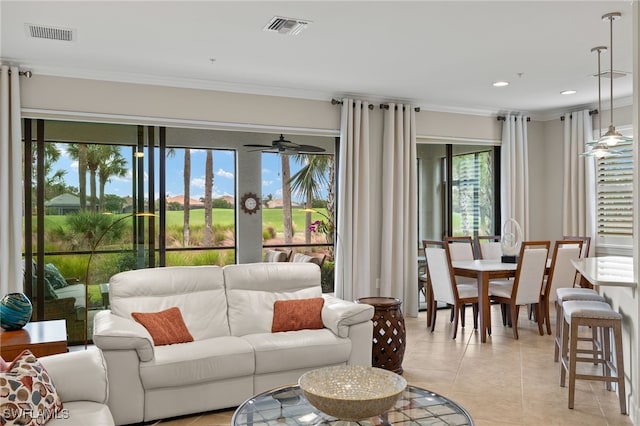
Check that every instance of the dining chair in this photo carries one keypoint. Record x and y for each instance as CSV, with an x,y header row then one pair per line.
x,y
445,289
489,247
526,288
586,245
561,274
424,285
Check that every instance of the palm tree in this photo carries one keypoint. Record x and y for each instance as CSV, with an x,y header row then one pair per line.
x,y
208,192
78,152
308,181
112,164
94,157
187,195
286,199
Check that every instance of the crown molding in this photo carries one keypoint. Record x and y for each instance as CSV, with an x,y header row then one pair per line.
x,y
292,92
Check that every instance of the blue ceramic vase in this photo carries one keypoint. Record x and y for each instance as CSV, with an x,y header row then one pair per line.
x,y
15,311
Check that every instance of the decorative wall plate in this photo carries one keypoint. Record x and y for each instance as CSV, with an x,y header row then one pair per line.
x,y
250,203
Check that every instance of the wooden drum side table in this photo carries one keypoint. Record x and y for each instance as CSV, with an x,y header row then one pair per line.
x,y
40,337
389,333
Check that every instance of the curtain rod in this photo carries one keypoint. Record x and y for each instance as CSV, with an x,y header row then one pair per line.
x,y
502,118
386,106
592,112
27,74
335,101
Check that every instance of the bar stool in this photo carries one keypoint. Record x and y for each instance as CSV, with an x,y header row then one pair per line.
x,y
573,293
596,315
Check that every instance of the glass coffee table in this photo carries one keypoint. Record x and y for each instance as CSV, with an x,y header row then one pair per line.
x,y
288,406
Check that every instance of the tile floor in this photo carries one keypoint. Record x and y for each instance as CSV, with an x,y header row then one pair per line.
x,y
502,382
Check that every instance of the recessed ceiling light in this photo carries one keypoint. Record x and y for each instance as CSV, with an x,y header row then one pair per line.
x,y
568,92
501,83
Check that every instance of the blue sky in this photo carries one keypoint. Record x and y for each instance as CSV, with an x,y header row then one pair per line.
x,y
223,166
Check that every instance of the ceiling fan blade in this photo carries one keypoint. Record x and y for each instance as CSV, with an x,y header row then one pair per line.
x,y
253,145
309,149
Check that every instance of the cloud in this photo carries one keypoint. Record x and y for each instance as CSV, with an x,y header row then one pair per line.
x,y
126,178
224,174
197,182
266,183
267,171
74,165
278,193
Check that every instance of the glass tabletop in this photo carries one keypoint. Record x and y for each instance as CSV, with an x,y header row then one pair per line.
x,y
288,406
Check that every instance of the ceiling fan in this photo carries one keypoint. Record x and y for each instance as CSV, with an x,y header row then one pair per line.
x,y
284,146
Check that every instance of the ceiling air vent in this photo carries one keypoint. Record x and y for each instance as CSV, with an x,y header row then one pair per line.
x,y
49,32
287,26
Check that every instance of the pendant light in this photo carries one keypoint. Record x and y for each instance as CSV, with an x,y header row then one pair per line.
x,y
612,137
599,149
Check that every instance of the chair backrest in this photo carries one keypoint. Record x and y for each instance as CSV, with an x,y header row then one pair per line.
x,y
562,273
532,264
276,256
586,244
300,257
440,274
460,248
489,247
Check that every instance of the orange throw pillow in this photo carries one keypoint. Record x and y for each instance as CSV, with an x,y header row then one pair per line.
x,y
166,327
297,314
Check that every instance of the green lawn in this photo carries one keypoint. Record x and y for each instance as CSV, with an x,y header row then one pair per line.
x,y
222,217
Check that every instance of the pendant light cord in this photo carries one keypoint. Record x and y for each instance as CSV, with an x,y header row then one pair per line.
x,y
611,66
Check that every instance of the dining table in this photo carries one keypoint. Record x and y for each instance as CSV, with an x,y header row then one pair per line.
x,y
484,270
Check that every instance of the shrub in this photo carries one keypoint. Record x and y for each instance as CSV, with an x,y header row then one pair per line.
x,y
327,276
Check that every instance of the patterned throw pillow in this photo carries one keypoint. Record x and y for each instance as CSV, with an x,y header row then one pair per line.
x,y
54,277
297,314
166,327
27,393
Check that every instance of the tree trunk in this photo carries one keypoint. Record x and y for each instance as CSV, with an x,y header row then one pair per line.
x,y
331,203
187,195
307,219
286,199
82,175
94,197
208,193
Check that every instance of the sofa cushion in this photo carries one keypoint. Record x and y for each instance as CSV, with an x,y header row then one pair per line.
x,y
197,290
298,349
253,288
200,361
166,327
28,392
297,314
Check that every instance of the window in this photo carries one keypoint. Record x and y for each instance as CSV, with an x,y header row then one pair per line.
x,y
104,198
457,190
614,187
472,194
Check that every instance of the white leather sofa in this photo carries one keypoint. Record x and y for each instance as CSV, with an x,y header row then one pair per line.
x,y
234,355
80,379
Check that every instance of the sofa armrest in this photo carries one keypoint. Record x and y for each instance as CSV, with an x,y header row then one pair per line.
x,y
111,332
338,315
78,376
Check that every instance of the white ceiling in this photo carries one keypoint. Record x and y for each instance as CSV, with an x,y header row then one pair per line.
x,y
440,55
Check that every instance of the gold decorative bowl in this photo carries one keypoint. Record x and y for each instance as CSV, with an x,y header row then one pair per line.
x,y
352,392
